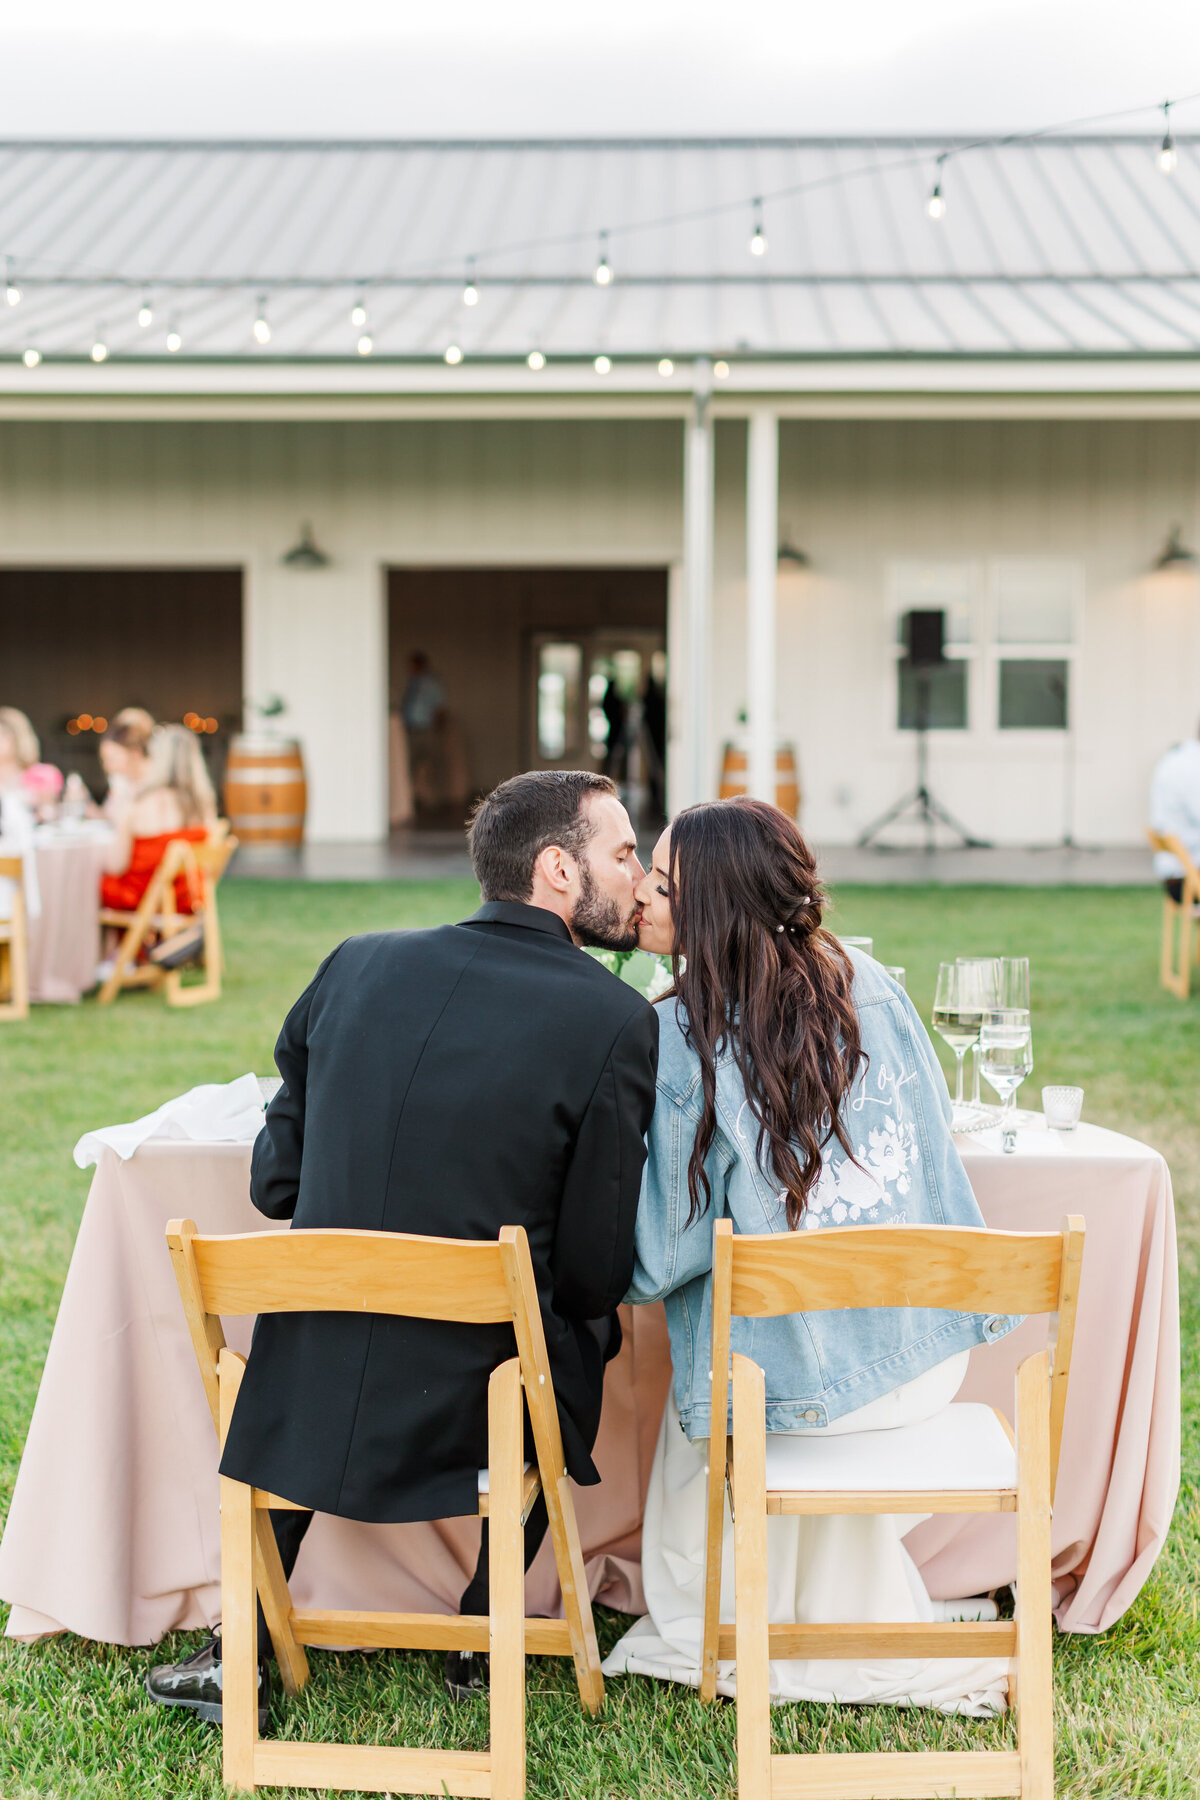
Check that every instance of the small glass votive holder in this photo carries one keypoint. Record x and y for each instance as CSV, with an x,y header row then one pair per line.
x,y
897,975
1062,1107
865,944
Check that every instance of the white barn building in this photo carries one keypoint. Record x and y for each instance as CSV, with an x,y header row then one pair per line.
x,y
995,415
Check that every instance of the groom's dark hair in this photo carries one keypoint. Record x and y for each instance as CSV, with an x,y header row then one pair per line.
x,y
511,827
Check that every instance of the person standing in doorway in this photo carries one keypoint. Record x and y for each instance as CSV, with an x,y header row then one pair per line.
x,y
423,711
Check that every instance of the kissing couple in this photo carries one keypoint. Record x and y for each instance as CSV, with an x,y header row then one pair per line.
x,y
456,1080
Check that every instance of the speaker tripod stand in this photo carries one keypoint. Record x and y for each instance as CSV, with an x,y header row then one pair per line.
x,y
919,801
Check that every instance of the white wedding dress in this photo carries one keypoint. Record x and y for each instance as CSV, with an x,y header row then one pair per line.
x,y
840,1568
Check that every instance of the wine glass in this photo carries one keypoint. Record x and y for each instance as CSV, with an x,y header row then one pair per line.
x,y
957,1014
1013,979
988,976
1006,1058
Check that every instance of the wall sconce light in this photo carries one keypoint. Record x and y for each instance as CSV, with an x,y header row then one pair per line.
x,y
1175,554
305,554
793,557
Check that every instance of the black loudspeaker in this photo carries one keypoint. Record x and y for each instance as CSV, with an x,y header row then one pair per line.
x,y
925,637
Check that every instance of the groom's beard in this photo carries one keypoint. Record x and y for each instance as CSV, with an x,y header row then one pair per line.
x,y
598,920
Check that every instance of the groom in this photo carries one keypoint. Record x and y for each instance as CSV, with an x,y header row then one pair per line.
x,y
451,1082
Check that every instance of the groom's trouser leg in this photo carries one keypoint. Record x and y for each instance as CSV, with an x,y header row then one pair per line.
x,y
289,1529
475,1594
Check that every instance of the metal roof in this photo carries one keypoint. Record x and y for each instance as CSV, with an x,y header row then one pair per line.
x,y
1058,247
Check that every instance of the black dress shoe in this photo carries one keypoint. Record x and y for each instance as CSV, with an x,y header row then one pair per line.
x,y
196,1684
467,1673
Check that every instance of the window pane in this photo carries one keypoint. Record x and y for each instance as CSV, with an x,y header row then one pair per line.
x,y
559,668
1033,696
935,587
939,692
1035,603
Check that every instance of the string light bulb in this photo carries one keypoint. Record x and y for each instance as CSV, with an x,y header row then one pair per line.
x,y
470,295
603,365
145,313
358,312
453,354
602,273
174,339
1168,156
758,238
31,357
12,292
366,344
935,206
721,371
99,349
262,328
536,360
666,367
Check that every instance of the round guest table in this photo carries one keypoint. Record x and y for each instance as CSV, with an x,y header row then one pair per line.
x,y
64,941
113,1531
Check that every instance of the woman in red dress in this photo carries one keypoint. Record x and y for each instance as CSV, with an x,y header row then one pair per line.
x,y
175,801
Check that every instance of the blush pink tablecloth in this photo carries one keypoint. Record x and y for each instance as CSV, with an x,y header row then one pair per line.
x,y
113,1530
64,942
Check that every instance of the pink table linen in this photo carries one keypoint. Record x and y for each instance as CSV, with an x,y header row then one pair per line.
x,y
113,1530
64,942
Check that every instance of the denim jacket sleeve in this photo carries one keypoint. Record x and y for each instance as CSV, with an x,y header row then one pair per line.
x,y
668,1251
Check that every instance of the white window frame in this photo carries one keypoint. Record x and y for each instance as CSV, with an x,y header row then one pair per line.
x,y
902,576
1069,571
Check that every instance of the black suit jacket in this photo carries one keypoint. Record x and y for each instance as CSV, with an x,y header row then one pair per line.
x,y
448,1082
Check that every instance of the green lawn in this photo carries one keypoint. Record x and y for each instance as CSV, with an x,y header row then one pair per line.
x,y
75,1719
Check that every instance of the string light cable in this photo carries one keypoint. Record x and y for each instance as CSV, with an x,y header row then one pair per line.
x,y
429,274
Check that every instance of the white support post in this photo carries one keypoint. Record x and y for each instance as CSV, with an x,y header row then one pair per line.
x,y
697,781
762,547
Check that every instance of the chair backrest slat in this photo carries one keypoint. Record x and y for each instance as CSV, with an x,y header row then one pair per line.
x,y
897,1265
354,1271
11,867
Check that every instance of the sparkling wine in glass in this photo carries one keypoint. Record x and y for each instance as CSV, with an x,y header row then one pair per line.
x,y
987,976
957,1016
1006,1058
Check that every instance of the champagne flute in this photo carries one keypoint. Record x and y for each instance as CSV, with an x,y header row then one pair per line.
x,y
990,993
957,1015
1006,1058
1013,982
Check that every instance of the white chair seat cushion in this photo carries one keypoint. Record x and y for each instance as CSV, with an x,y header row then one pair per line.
x,y
484,1476
962,1447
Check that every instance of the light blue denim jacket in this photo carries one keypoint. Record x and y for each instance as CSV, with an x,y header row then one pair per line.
x,y
818,1365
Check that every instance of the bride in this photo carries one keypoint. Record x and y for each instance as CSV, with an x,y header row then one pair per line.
x,y
797,1091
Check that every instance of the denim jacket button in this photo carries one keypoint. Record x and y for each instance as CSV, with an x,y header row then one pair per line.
x,y
811,1416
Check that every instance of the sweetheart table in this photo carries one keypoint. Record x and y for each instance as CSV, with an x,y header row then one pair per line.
x,y
113,1529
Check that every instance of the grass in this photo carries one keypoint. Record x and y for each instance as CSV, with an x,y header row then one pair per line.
x,y
74,1720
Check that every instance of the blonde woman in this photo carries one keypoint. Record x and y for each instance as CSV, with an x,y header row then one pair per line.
x,y
125,759
175,800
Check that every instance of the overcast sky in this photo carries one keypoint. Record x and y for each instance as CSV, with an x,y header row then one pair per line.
x,y
396,68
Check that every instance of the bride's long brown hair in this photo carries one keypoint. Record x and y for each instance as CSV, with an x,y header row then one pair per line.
x,y
755,968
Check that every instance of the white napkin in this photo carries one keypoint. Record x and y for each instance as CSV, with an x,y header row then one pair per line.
x,y
228,1112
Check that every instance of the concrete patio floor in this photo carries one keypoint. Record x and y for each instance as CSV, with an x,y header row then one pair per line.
x,y
416,855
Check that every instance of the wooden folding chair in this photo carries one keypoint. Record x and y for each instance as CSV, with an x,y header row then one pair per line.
x,y
470,1283
1179,920
14,944
157,918
964,1460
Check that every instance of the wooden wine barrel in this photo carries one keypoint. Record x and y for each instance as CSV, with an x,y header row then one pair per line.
x,y
735,775
265,792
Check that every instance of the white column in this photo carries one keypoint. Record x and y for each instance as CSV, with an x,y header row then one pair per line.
x,y
696,780
762,545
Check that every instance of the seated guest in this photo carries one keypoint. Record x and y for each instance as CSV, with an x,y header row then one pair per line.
x,y
1175,810
18,754
452,1082
175,799
797,1091
125,759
